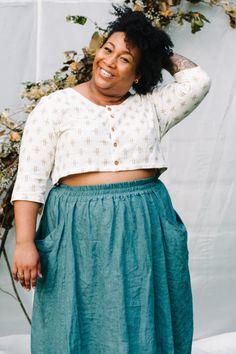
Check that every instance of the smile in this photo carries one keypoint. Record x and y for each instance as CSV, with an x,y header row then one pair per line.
x,y
105,73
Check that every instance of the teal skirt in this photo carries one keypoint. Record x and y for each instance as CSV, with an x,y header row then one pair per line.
x,y
115,272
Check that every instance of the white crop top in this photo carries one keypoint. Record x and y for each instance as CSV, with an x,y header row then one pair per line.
x,y
66,133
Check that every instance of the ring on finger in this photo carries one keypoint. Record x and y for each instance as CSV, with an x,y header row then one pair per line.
x,y
20,275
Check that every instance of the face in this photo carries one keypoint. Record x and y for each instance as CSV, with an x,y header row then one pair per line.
x,y
115,66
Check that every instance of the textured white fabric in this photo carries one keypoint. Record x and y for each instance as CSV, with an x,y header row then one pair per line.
x,y
15,344
224,343
67,133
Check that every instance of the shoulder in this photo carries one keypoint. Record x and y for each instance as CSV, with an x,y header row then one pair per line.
x,y
54,102
140,99
57,96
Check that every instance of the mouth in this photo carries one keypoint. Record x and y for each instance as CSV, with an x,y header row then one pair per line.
x,y
106,74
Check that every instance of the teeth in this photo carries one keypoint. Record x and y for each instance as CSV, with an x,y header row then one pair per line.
x,y
105,73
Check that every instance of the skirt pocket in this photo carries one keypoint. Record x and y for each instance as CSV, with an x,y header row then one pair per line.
x,y
45,243
179,283
176,238
177,224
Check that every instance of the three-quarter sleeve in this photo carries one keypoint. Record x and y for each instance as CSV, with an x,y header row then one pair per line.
x,y
176,100
37,152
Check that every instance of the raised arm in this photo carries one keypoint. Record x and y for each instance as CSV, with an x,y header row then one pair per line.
x,y
180,63
178,99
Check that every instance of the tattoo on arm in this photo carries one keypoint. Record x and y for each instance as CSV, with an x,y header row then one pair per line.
x,y
180,63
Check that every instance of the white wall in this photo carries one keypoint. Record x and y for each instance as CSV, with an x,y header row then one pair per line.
x,y
201,149
201,178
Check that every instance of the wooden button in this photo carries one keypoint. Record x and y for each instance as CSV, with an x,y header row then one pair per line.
x,y
116,162
115,144
113,129
109,108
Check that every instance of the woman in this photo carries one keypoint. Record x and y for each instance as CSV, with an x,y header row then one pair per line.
x,y
109,257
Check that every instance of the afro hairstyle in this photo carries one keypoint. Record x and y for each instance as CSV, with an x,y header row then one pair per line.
x,y
155,45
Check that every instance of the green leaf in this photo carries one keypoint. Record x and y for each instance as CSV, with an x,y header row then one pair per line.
x,y
82,20
68,61
199,22
204,18
195,28
179,19
64,68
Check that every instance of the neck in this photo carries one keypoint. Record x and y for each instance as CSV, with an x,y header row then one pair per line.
x,y
104,98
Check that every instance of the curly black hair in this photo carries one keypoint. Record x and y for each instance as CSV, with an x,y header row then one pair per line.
x,y
154,44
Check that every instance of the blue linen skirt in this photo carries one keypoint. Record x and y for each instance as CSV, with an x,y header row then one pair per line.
x,y
115,272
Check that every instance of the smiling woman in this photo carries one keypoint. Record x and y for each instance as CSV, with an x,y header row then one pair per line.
x,y
111,248
114,71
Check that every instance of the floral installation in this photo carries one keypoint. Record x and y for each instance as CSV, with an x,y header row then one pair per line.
x,y
163,12
77,69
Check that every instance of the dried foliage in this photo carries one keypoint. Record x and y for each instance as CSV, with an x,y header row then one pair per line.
x,y
163,12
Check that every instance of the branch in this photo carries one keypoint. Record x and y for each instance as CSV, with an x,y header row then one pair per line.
x,y
8,293
6,211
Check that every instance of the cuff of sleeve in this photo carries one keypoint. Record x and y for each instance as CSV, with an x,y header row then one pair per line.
x,y
190,72
29,197
195,74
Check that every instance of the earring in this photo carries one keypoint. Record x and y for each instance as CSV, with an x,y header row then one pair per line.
x,y
136,81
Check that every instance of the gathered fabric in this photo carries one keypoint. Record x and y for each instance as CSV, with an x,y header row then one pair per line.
x,y
115,272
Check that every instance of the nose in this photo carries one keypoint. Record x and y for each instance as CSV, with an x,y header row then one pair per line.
x,y
110,61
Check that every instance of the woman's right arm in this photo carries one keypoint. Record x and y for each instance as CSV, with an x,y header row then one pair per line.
x,y
26,258
36,159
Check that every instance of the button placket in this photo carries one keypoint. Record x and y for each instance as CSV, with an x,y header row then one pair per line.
x,y
112,127
115,143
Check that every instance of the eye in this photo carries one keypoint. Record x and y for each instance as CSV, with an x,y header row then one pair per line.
x,y
107,49
125,60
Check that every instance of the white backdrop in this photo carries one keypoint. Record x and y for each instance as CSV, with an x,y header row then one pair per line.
x,y
200,150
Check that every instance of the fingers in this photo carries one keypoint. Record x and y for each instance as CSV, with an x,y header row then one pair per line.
x,y
14,272
23,277
34,278
27,280
19,275
26,265
27,277
39,270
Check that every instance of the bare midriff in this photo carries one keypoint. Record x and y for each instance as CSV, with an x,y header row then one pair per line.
x,y
100,177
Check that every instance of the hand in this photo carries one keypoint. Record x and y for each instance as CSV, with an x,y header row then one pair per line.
x,y
178,63
26,265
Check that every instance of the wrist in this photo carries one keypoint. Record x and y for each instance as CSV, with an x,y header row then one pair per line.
x,y
179,62
25,243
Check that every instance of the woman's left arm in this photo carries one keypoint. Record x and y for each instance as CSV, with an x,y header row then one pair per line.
x,y
178,99
180,63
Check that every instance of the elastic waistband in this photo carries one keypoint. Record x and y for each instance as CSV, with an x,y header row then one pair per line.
x,y
108,188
